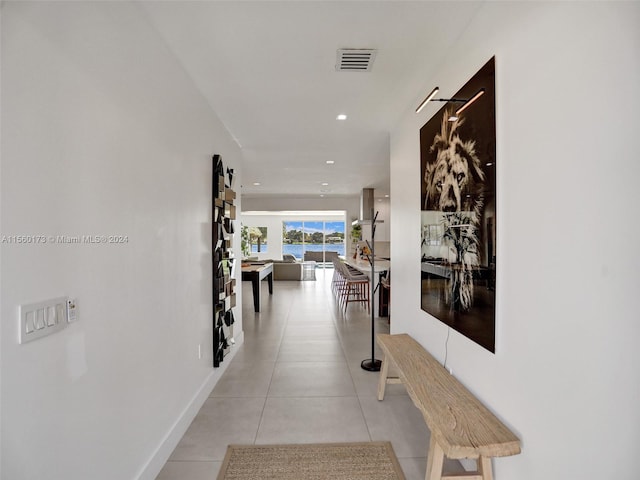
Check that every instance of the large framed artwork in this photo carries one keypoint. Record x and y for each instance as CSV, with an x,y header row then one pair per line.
x,y
458,210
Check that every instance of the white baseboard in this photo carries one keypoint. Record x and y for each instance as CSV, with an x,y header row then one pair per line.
x,y
168,444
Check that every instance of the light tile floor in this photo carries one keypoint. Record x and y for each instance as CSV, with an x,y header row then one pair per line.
x,y
297,379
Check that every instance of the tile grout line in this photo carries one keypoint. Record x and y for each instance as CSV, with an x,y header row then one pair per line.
x,y
344,353
275,363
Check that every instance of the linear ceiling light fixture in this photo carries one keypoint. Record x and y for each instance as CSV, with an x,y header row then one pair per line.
x,y
428,99
470,101
465,102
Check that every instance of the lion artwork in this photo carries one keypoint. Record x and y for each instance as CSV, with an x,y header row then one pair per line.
x,y
454,186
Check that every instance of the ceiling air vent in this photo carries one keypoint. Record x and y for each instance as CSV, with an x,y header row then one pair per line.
x,y
355,59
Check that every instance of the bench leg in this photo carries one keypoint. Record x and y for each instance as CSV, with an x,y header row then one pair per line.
x,y
435,460
484,468
382,378
435,464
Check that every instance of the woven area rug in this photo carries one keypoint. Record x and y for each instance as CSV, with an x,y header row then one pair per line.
x,y
335,461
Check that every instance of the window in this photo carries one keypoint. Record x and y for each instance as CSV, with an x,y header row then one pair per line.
x,y
303,236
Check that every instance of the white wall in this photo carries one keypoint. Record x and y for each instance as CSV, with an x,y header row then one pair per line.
x,y
103,133
351,205
565,373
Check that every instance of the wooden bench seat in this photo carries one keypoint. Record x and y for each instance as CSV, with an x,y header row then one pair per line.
x,y
461,426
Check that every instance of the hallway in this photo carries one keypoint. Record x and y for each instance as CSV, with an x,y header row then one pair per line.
x,y
297,379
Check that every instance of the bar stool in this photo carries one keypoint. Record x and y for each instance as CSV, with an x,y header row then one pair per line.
x,y
354,287
337,281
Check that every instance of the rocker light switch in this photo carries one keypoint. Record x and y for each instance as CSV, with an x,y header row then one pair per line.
x,y
51,316
30,322
39,318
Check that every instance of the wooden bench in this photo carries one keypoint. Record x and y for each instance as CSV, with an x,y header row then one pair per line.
x,y
461,426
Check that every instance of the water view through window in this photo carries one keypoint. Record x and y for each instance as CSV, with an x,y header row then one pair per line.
x,y
313,236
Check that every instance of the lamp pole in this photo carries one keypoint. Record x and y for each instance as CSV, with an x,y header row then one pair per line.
x,y
372,364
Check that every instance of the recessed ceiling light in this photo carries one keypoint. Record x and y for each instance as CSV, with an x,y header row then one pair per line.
x,y
330,162
386,196
342,116
324,184
256,184
489,164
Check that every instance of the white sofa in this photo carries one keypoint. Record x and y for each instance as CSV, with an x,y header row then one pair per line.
x,y
289,268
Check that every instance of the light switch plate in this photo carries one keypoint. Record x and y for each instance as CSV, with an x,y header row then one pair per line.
x,y
37,320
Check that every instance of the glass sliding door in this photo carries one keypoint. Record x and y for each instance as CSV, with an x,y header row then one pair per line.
x,y
334,238
313,237
319,236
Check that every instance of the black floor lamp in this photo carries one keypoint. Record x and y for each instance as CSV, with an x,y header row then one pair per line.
x,y
372,364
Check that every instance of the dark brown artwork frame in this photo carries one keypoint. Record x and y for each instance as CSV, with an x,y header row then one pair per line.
x,y
458,210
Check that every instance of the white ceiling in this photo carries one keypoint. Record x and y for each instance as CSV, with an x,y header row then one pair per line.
x,y
268,70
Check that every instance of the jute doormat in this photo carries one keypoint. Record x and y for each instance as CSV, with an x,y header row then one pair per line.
x,y
334,461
